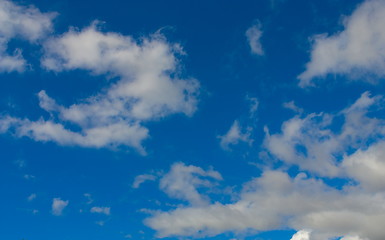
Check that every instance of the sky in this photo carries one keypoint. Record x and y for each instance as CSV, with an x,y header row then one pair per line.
x,y
217,120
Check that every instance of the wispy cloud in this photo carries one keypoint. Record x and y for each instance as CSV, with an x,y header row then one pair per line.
x,y
182,182
235,135
253,35
101,210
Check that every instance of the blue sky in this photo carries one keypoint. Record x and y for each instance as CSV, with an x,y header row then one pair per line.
x,y
255,120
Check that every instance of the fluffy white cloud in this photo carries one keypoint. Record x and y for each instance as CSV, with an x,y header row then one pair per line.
x,y
182,182
235,135
310,143
321,145
277,201
253,35
24,22
58,206
368,167
357,51
148,88
301,235
101,210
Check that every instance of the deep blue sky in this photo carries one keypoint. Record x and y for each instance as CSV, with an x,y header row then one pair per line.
x,y
96,183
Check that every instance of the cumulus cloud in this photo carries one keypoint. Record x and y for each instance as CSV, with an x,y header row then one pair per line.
x,y
101,210
182,182
235,135
353,151
357,51
23,22
276,201
301,235
310,143
253,35
58,205
149,87
368,167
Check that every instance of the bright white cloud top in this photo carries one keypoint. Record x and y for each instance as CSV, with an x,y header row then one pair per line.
x,y
357,52
22,22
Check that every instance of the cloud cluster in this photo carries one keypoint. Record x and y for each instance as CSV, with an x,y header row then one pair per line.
x,y
309,142
22,22
148,88
358,51
276,200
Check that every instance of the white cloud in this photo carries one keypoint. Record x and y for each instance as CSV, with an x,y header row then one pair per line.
x,y
182,182
58,206
25,22
235,135
350,150
101,210
253,35
310,143
149,87
368,167
301,235
143,178
276,201
357,51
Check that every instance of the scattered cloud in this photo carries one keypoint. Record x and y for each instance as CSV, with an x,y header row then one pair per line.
x,y
89,198
292,106
235,135
182,182
31,197
149,87
101,210
253,35
58,205
29,177
254,104
276,201
24,22
356,52
309,143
